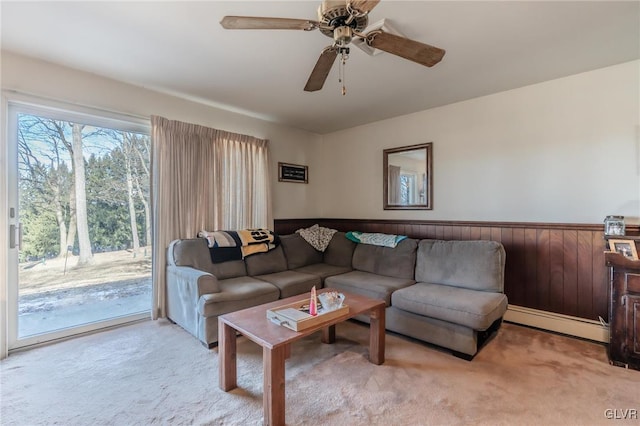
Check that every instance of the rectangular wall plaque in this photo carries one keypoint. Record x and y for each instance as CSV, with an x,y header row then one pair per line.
x,y
292,173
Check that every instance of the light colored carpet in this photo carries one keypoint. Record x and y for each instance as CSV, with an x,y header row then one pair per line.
x,y
155,373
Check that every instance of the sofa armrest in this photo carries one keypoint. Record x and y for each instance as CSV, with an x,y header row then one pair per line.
x,y
185,287
197,282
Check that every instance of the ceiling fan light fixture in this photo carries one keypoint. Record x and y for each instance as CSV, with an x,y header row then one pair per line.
x,y
342,36
333,14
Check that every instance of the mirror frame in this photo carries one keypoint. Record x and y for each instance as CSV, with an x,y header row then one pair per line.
x,y
428,205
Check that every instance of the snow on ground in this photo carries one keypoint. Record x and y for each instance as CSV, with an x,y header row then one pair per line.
x,y
56,295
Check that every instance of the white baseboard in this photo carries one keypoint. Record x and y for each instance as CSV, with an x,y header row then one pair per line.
x,y
565,324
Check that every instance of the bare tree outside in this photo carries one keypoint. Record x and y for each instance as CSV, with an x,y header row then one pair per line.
x,y
84,242
129,158
48,176
141,146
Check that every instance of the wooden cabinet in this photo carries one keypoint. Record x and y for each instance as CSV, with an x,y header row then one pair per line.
x,y
624,311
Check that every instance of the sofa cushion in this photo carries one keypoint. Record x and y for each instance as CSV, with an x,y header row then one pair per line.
x,y
194,252
368,284
396,262
231,269
266,263
323,270
235,294
471,308
340,251
477,265
298,251
291,283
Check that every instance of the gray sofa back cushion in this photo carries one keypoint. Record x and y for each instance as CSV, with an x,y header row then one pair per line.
x,y
396,262
266,263
195,253
340,251
299,252
477,265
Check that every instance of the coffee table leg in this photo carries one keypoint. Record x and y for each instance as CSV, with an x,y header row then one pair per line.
x,y
328,334
273,392
287,351
227,356
376,335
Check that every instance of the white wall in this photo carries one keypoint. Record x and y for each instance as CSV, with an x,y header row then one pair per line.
x,y
565,150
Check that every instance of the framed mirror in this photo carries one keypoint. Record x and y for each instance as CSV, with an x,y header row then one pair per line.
x,y
408,180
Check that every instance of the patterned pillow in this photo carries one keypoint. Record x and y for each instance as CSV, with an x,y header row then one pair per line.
x,y
317,236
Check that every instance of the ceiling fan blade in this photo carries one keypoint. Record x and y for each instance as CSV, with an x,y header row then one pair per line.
x,y
321,70
261,23
412,50
364,6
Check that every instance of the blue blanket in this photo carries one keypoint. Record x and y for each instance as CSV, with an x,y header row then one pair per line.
x,y
376,239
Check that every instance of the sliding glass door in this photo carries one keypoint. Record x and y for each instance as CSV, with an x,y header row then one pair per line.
x,y
80,227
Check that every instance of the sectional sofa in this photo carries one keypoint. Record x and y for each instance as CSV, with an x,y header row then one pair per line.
x,y
448,293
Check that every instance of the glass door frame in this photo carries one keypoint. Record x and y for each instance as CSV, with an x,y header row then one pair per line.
x,y
59,111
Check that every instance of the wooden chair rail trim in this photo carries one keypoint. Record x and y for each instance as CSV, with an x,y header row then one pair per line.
x,y
632,229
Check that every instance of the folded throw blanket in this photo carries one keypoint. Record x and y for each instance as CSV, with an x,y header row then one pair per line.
x,y
318,236
236,245
221,238
376,239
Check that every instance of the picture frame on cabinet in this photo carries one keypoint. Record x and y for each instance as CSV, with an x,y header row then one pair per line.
x,y
627,248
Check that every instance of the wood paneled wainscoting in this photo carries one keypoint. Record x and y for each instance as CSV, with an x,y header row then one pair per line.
x,y
555,274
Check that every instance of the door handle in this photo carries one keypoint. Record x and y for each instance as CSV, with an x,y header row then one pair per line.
x,y
12,236
15,236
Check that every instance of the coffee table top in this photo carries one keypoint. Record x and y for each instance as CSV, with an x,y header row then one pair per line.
x,y
253,322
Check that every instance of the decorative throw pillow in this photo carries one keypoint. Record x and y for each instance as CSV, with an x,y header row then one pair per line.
x,y
318,236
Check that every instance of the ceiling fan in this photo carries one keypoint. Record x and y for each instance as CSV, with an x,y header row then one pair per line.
x,y
341,20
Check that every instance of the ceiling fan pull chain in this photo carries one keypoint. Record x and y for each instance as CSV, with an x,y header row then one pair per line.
x,y
344,87
341,69
343,62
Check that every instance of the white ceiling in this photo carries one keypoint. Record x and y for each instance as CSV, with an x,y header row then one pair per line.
x,y
180,48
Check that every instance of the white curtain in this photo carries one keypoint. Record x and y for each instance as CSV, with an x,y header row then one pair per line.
x,y
394,196
203,178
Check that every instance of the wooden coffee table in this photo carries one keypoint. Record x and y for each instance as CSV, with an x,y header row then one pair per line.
x,y
276,344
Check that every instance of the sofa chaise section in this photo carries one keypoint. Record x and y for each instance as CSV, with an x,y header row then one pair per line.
x,y
458,297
